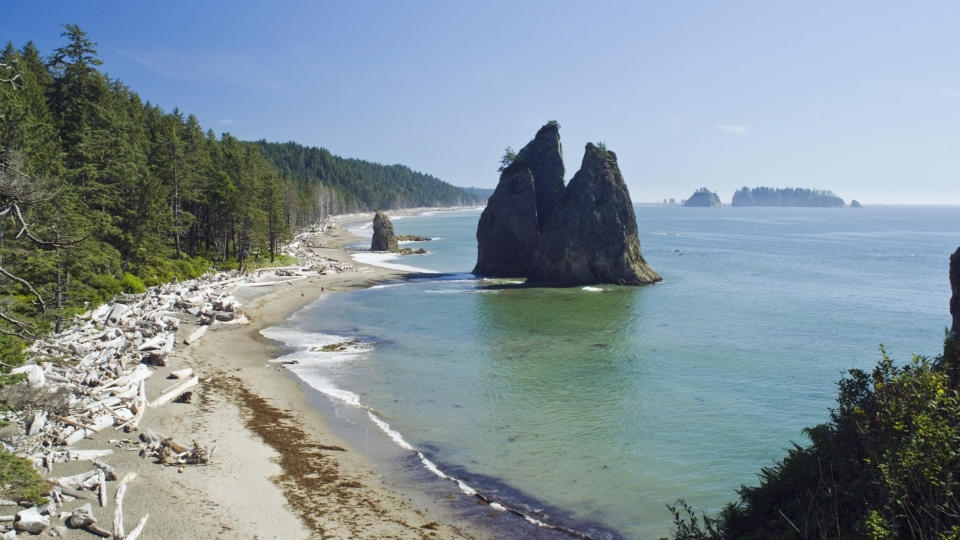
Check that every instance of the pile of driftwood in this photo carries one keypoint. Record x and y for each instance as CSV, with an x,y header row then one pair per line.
x,y
92,377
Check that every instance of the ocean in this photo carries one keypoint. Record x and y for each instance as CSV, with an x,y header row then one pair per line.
x,y
593,408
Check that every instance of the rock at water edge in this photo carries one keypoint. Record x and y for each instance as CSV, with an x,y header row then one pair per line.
x,y
383,237
591,237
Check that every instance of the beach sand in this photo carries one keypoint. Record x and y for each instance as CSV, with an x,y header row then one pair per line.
x,y
278,471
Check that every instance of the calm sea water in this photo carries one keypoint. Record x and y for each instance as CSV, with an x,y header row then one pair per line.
x,y
611,403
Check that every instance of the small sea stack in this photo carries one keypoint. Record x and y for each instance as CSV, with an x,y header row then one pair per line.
x,y
526,194
591,237
703,197
383,237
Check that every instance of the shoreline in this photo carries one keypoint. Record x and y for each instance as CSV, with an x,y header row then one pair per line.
x,y
319,486
277,469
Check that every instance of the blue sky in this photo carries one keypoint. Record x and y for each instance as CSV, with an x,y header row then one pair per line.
x,y
862,98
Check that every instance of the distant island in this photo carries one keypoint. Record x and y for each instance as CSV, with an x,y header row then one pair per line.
x,y
703,197
855,204
766,196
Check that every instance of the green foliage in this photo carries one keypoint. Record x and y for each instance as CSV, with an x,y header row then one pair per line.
x,y
121,195
347,185
11,355
19,481
766,196
886,465
132,284
509,156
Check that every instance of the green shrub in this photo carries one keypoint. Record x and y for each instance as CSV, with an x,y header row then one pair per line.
x,y
886,465
19,481
132,284
12,354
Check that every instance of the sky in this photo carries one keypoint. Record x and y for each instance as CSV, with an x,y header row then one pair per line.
x,y
861,98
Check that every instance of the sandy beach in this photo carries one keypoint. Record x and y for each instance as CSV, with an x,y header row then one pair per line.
x,y
278,470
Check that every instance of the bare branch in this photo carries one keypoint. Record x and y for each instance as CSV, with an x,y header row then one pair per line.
x,y
25,329
12,80
25,283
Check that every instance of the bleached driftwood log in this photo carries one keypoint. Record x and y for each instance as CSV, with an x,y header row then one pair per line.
x,y
181,373
82,518
165,398
195,335
118,511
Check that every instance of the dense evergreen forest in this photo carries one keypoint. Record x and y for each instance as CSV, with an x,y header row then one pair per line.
x,y
102,192
766,196
339,185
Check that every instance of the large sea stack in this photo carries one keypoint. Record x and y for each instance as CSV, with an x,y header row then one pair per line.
x,y
383,237
516,213
591,236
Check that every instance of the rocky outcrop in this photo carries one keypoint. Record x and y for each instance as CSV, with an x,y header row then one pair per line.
x,y
507,233
528,191
544,157
704,197
383,237
855,204
591,236
955,289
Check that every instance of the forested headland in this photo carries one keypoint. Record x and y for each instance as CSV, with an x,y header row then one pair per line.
x,y
339,185
767,196
102,192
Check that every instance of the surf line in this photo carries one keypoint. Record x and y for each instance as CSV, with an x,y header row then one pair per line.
x,y
397,438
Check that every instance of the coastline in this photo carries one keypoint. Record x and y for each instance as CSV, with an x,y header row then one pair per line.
x,y
278,470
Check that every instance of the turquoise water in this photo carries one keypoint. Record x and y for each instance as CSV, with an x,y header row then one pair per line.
x,y
603,406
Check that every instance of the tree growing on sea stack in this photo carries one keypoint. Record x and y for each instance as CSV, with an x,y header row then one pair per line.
x,y
529,188
383,237
591,237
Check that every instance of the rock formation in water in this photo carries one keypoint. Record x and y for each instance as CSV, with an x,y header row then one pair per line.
x,y
855,204
767,196
703,197
383,237
528,191
955,289
591,236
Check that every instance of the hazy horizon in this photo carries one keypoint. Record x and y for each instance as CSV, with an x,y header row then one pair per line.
x,y
862,99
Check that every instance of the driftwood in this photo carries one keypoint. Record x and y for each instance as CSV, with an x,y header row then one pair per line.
x,y
166,397
97,370
82,518
135,533
181,373
195,335
31,521
118,511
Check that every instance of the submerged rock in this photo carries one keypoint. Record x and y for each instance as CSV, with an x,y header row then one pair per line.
x,y
591,237
383,237
704,197
516,213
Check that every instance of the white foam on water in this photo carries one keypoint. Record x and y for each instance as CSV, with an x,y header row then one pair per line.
x,y
592,289
326,387
394,435
298,339
381,259
387,285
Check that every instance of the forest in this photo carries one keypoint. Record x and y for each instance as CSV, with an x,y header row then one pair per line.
x,y
102,192
767,196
